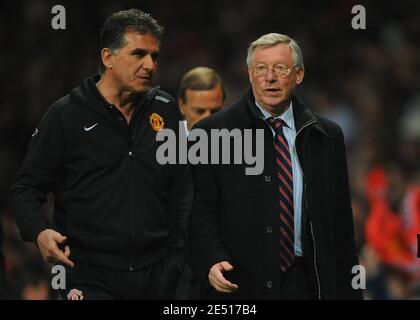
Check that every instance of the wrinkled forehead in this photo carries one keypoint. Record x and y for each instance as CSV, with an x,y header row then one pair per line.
x,y
134,39
273,54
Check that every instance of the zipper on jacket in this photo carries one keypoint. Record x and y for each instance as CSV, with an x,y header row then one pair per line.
x,y
307,214
132,229
313,242
316,269
306,125
131,139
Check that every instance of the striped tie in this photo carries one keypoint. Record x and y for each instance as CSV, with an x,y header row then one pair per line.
x,y
285,194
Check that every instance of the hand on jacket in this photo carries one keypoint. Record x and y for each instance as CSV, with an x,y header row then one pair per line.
x,y
48,241
218,281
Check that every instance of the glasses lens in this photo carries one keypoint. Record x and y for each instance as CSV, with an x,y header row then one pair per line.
x,y
260,70
281,71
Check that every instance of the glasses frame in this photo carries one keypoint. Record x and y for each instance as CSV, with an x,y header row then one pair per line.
x,y
272,67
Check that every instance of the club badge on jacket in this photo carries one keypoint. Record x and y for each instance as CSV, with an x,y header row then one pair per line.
x,y
156,121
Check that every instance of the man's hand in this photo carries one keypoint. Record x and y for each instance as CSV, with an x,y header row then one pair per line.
x,y
218,281
48,241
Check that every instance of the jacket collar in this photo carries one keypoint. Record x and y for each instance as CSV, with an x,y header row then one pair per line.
x,y
247,113
87,95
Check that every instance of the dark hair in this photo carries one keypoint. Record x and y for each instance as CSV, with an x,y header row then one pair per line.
x,y
199,78
118,23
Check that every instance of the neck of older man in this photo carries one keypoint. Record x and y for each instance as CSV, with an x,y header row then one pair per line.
x,y
276,110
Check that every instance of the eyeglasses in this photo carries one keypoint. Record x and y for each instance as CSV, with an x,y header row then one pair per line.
x,y
280,70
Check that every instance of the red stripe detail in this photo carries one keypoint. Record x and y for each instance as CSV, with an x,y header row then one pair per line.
x,y
287,236
286,196
287,223
286,261
285,182
276,122
287,249
285,208
289,213
280,138
284,169
283,154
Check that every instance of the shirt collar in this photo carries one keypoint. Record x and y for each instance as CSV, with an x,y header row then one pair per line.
x,y
186,127
287,116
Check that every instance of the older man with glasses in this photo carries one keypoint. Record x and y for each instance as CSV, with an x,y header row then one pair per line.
x,y
287,233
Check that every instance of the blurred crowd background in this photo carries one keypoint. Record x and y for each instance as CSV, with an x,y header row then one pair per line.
x,y
366,80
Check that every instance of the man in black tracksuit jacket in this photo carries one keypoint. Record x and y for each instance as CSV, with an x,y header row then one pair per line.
x,y
120,217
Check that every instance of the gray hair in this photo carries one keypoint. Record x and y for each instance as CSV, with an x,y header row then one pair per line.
x,y
117,24
272,39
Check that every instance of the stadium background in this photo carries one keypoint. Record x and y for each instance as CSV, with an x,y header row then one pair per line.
x,y
366,80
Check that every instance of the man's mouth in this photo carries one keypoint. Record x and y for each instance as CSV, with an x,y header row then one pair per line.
x,y
272,90
146,78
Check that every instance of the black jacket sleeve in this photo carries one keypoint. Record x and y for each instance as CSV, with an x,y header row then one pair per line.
x,y
179,209
180,202
207,247
37,175
343,228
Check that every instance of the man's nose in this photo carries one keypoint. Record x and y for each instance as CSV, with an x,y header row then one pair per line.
x,y
148,63
207,113
270,76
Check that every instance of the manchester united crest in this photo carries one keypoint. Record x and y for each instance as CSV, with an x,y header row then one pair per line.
x,y
156,122
75,294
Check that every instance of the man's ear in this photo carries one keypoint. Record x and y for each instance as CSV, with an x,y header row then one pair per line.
x,y
107,58
299,75
250,74
181,105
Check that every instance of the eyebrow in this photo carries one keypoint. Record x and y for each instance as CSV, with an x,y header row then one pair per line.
x,y
143,52
139,51
205,108
274,64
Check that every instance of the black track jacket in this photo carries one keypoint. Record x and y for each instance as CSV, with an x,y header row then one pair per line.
x,y
116,204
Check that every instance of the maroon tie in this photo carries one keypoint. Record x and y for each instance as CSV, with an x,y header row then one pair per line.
x,y
284,194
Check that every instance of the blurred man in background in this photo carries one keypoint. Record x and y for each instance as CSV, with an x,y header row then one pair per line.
x,y
120,219
201,94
